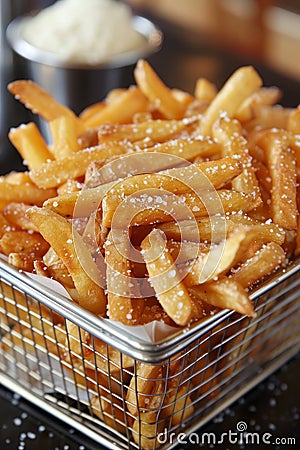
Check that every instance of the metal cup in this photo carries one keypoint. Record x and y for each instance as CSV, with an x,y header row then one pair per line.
x,y
78,86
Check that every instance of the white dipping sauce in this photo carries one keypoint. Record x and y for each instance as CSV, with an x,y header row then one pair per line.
x,y
83,31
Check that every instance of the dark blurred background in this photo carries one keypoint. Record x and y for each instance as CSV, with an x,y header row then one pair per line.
x,y
265,29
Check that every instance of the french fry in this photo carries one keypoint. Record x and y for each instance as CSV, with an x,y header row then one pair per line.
x,y
183,97
266,116
121,110
79,204
30,144
264,96
154,311
229,134
242,83
98,356
181,180
208,259
22,260
294,121
3,203
5,225
124,305
40,102
51,257
69,186
114,95
224,293
58,271
170,291
93,175
55,173
197,108
64,137
186,149
95,234
24,192
216,228
88,139
21,241
179,405
157,129
185,251
91,110
70,248
145,390
293,128
117,167
16,215
205,90
280,160
263,177
109,408
40,268
268,259
157,92
258,234
88,200
146,428
39,331
297,249
206,229
166,207
17,178
215,260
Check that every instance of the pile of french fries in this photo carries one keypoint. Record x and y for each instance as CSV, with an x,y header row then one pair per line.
x,y
189,199
155,203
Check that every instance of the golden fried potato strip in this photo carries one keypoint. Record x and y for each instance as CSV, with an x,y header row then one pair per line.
x,y
268,259
41,102
121,110
123,303
54,173
281,163
30,144
23,190
241,84
225,293
170,290
70,248
157,92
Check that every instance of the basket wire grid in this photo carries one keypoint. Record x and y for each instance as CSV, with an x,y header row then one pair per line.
x,y
124,393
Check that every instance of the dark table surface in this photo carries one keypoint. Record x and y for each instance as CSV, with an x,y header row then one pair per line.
x,y
272,409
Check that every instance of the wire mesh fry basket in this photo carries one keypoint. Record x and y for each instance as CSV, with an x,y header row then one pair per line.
x,y
126,392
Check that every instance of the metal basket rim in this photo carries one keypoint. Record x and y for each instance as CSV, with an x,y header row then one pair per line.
x,y
114,334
